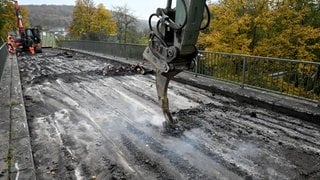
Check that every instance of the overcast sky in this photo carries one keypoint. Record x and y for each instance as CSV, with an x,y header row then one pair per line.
x,y
141,9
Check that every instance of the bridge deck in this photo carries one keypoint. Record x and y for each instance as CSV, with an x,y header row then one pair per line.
x,y
89,121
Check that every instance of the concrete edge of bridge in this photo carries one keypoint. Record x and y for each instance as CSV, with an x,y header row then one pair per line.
x,y
16,160
111,57
295,107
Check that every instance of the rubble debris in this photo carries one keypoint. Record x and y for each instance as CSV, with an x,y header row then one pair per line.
x,y
125,70
66,54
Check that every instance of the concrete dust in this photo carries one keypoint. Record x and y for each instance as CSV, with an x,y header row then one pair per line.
x,y
96,118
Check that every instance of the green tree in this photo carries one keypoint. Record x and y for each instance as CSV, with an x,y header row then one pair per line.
x,y
91,23
126,25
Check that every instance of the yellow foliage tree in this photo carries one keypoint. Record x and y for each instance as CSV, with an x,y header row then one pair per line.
x,y
9,18
81,15
284,29
236,26
103,23
91,23
288,36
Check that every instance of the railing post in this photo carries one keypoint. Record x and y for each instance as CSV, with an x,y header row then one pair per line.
x,y
243,72
197,63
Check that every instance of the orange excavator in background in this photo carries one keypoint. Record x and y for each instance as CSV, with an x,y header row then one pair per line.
x,y
28,39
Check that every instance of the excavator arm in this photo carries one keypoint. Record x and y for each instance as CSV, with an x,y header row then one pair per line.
x,y
172,43
29,38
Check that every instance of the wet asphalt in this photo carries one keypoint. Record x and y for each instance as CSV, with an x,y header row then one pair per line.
x,y
87,121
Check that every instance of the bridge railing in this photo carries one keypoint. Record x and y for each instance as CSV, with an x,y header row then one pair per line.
x,y
48,39
289,77
132,51
284,76
3,57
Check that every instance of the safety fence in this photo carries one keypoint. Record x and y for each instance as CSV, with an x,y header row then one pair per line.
x,y
284,76
288,77
48,39
3,57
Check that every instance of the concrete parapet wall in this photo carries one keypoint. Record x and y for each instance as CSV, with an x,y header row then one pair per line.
x,y
132,51
3,57
16,160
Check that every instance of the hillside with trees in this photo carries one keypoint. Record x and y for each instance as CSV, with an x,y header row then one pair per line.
x,y
50,16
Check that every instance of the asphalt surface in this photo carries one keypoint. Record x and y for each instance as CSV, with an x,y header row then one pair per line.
x,y
92,118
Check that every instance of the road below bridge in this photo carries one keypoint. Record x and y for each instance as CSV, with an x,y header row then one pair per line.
x,y
93,118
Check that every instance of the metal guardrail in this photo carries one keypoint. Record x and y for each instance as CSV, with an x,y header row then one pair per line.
x,y
284,76
288,77
3,57
48,39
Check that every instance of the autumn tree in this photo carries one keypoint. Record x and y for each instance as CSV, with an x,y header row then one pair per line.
x,y
227,31
91,23
81,15
8,21
103,24
291,34
2,21
276,28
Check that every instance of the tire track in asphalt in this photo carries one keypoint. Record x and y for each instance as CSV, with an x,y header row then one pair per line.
x,y
128,122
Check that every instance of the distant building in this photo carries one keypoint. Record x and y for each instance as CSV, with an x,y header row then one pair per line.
x,y
59,31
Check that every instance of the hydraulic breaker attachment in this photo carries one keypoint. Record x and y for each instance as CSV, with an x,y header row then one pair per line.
x,y
162,82
172,42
